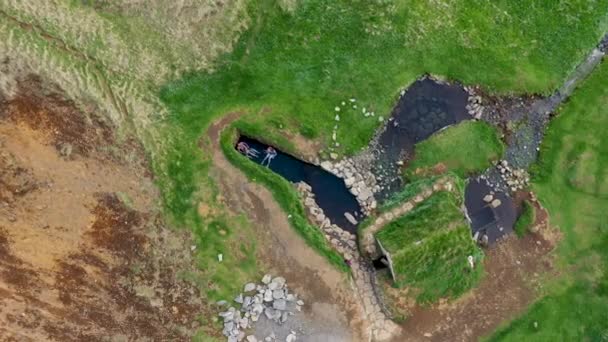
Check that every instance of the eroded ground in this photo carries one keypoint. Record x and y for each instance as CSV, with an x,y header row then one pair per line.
x,y
83,252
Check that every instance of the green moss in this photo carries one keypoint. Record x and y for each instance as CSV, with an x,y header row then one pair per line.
x,y
525,220
464,149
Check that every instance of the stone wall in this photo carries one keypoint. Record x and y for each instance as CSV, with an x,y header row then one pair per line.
x,y
382,328
368,241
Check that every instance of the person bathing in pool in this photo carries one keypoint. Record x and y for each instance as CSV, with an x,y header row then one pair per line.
x,y
246,150
270,154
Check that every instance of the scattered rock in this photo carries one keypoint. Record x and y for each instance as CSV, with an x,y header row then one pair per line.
x,y
495,203
350,218
488,198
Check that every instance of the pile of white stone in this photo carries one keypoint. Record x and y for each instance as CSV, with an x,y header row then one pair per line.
x,y
270,298
516,179
474,106
361,185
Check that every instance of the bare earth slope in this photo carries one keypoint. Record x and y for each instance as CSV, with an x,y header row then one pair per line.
x,y
83,252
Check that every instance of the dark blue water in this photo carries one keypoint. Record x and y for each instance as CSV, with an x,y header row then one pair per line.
x,y
330,192
493,222
424,109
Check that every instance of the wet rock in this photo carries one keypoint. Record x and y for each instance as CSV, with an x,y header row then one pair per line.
x,y
495,203
350,218
280,304
488,198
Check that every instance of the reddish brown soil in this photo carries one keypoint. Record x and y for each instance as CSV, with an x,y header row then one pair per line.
x,y
84,254
513,270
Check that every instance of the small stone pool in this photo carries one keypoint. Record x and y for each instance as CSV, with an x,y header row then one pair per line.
x,y
487,220
330,192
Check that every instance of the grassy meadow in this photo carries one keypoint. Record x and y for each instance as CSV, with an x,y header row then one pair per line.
x,y
466,148
571,180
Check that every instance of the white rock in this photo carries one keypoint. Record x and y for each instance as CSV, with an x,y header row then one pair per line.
x,y
220,257
337,118
278,294
279,280
239,299
279,304
337,109
291,337
350,218
251,338
249,287
349,181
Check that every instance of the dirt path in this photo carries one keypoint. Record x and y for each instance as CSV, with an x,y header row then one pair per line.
x,y
331,313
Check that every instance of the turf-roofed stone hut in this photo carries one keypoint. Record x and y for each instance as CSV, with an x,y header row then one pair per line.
x,y
431,249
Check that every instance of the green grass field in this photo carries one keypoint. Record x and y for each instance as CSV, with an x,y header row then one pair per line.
x,y
429,247
291,69
570,180
464,149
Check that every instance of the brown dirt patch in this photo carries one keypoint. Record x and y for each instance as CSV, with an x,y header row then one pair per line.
x,y
514,269
40,107
84,254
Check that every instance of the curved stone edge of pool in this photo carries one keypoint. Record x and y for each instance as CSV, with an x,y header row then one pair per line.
x,y
381,326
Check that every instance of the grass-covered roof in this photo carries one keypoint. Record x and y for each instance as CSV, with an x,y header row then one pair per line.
x,y
429,248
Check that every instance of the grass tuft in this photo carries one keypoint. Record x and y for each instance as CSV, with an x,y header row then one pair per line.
x,y
464,149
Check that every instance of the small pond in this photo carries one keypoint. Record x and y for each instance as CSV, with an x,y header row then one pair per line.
x,y
330,192
485,220
424,109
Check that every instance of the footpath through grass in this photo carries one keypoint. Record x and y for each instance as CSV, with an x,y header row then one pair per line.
x,y
465,148
571,180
